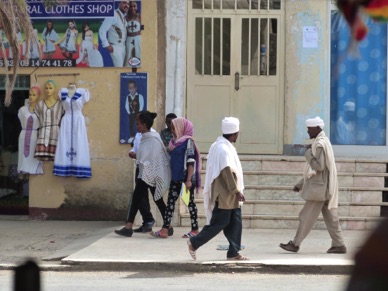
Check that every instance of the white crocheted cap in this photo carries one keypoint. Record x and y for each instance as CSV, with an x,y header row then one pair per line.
x,y
230,125
314,122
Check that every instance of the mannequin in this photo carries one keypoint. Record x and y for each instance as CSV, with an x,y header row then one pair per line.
x,y
51,97
49,111
72,156
72,87
27,164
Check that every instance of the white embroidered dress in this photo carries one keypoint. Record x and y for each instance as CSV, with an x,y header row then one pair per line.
x,y
72,156
27,142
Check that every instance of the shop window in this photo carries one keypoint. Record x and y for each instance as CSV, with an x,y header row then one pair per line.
x,y
258,37
358,85
237,4
22,82
212,46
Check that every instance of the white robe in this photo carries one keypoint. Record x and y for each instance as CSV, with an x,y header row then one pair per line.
x,y
222,154
72,155
27,142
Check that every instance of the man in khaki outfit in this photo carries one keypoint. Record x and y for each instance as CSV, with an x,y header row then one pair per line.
x,y
222,193
319,187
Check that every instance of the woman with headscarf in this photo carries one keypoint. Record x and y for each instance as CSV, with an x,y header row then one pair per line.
x,y
185,169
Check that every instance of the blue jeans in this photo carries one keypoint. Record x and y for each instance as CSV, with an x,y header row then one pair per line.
x,y
228,220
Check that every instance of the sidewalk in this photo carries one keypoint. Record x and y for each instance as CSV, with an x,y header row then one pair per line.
x,y
95,246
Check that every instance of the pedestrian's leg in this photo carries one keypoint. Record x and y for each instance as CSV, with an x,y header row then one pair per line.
x,y
220,219
233,232
333,226
134,204
159,203
141,191
173,194
144,203
145,207
193,211
307,218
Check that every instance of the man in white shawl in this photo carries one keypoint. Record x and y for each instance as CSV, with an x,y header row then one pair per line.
x,y
319,187
223,193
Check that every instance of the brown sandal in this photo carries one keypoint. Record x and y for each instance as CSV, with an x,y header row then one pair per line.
x,y
238,258
163,233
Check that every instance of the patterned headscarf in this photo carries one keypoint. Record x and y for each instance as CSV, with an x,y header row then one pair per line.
x,y
184,130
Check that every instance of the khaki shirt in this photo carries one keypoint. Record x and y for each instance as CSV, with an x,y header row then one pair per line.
x,y
224,190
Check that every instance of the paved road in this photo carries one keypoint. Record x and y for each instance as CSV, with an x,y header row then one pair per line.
x,y
170,281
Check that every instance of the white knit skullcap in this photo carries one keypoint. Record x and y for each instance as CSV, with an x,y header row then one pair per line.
x,y
230,125
314,122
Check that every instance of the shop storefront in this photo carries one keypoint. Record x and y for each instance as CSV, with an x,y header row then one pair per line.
x,y
74,42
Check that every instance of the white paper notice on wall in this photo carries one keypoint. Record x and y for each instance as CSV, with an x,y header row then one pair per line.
x,y
310,36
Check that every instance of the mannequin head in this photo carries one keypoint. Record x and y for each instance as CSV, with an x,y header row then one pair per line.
x,y
50,89
34,94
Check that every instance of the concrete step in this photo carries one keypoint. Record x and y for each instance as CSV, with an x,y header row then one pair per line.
x,y
345,179
292,222
272,203
296,164
279,207
277,192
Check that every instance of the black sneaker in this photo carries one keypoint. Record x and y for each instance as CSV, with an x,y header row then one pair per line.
x,y
170,231
145,227
139,229
125,232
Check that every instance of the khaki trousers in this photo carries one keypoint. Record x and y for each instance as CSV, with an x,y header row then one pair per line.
x,y
309,215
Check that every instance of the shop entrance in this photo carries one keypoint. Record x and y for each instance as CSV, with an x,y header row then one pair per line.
x,y
13,186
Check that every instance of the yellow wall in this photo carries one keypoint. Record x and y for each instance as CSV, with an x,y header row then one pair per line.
x,y
112,169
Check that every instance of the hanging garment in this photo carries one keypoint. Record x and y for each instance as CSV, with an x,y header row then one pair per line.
x,y
72,156
27,142
49,120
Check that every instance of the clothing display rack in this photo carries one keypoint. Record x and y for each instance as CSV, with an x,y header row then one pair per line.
x,y
54,75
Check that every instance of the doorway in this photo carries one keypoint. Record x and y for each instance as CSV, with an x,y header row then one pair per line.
x,y
235,67
14,198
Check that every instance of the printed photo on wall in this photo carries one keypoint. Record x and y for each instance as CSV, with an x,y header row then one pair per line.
x,y
133,99
134,28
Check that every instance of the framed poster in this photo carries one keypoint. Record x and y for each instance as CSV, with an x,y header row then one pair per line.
x,y
133,99
81,33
